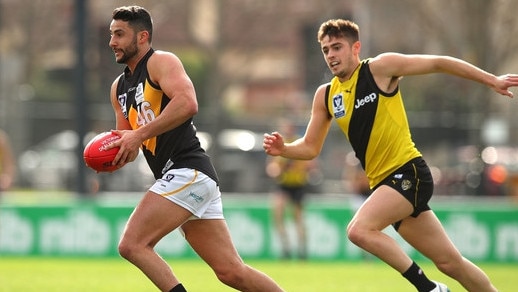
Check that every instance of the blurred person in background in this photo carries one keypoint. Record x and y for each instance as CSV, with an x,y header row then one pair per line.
x,y
154,102
291,185
7,163
365,100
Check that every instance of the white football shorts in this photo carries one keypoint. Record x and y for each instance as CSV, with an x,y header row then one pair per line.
x,y
192,190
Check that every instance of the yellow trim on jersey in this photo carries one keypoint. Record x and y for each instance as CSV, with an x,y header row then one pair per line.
x,y
147,111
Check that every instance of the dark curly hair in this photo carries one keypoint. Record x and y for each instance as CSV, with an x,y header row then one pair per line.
x,y
137,17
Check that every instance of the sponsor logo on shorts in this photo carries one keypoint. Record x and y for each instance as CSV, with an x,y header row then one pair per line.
x,y
196,198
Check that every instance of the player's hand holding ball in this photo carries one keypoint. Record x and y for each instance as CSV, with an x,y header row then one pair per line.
x,y
97,157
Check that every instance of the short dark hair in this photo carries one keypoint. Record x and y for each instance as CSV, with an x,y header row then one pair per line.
x,y
339,28
137,17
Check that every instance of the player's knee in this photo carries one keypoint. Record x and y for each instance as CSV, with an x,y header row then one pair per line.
x,y
231,276
124,249
450,266
127,249
356,234
446,267
230,279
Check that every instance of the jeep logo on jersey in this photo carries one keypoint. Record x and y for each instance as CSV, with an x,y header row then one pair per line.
x,y
369,98
338,106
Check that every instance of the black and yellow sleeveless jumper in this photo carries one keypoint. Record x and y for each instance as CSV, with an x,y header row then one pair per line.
x,y
373,121
141,101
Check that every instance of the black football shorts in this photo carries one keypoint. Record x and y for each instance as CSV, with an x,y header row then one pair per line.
x,y
414,181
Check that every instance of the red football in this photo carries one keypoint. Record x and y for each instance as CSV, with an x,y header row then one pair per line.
x,y
96,157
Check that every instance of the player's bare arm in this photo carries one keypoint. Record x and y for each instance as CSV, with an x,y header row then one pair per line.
x,y
387,68
167,71
309,146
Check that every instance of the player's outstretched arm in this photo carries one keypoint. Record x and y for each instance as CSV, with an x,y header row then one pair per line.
x,y
388,67
309,146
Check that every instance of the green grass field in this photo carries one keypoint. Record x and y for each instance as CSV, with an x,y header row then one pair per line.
x,y
64,274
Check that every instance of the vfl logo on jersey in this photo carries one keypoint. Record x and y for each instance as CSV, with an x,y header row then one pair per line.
x,y
367,99
338,106
122,102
